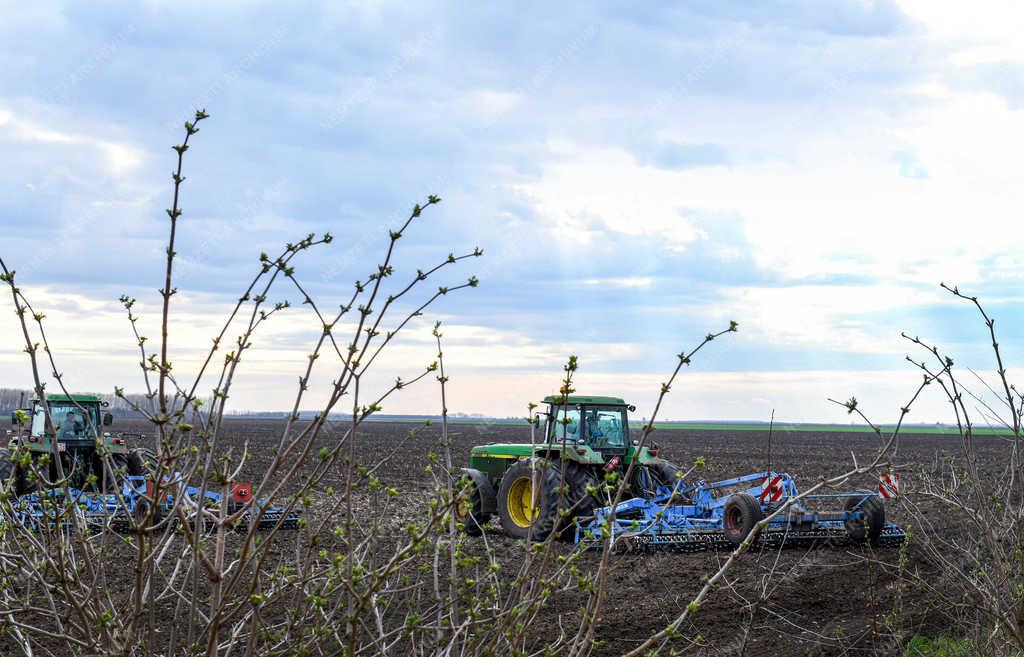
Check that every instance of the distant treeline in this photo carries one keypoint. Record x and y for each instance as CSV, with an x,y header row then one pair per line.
x,y
13,398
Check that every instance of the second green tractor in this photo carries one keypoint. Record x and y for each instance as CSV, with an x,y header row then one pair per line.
x,y
73,439
584,452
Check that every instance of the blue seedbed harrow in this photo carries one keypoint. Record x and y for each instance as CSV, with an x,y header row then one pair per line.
x,y
720,515
64,506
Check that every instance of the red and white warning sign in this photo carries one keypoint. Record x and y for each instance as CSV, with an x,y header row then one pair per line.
x,y
889,485
771,488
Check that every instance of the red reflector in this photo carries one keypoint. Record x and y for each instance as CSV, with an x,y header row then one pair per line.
x,y
241,492
151,491
580,450
654,452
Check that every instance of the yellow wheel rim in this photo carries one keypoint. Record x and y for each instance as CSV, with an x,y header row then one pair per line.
x,y
462,509
520,502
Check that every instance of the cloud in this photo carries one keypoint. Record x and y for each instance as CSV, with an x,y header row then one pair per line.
x,y
827,316
121,158
634,178
825,207
634,281
586,193
685,156
971,32
489,104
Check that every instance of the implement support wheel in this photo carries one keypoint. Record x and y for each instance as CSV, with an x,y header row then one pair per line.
x,y
741,513
871,523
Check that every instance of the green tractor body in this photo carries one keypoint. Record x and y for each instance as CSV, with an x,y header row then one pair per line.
x,y
74,440
77,422
584,444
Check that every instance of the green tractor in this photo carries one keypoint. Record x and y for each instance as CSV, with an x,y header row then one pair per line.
x,y
73,440
585,443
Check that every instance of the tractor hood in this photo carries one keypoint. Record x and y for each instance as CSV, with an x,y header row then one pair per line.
x,y
504,450
580,453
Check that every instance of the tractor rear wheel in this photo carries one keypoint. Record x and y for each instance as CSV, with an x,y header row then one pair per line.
x,y
469,511
528,499
121,466
579,500
657,474
870,524
147,461
741,513
134,461
8,472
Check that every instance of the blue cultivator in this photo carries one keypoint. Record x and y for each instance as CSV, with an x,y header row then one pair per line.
x,y
702,516
53,507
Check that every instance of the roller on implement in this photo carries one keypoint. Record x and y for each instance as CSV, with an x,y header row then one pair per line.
x,y
702,516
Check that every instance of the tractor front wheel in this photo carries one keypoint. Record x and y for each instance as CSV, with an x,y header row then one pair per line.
x,y
469,511
528,499
9,471
870,524
741,513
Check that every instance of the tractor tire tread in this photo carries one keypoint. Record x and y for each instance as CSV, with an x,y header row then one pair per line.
x,y
549,478
660,473
874,519
476,519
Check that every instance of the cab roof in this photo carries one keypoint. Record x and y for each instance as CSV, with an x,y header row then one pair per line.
x,y
82,399
586,399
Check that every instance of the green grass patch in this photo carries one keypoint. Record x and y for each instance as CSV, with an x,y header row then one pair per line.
x,y
941,646
782,427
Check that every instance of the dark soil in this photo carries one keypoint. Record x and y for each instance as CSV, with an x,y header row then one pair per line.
x,y
795,601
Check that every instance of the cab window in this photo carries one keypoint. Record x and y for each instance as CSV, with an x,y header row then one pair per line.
x,y
559,428
69,422
605,426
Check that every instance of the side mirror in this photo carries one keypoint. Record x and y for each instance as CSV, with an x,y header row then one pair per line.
x,y
108,419
14,417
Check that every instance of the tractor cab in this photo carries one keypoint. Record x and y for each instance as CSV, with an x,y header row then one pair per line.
x,y
72,440
600,423
77,422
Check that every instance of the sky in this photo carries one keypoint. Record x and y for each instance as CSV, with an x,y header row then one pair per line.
x,y
637,176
